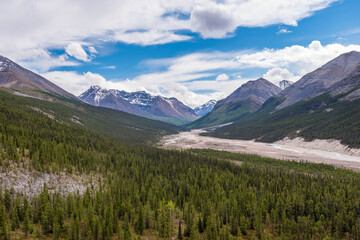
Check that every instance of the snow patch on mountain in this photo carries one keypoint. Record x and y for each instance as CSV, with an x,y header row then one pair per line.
x,y
205,108
139,103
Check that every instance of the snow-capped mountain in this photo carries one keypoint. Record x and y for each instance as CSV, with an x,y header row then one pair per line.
x,y
205,108
285,84
140,103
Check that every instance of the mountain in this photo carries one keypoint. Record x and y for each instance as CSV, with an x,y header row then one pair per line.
x,y
285,84
23,81
205,108
322,80
324,104
28,91
243,101
140,103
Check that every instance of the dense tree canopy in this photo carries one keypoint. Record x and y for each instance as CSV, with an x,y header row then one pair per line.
x,y
156,193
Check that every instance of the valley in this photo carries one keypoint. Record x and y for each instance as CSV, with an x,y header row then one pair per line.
x,y
318,151
180,120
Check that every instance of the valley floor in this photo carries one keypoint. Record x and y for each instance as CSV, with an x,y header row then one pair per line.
x,y
318,151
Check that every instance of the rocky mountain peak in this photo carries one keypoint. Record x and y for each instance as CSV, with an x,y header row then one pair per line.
x,y
205,108
285,84
324,79
260,90
140,103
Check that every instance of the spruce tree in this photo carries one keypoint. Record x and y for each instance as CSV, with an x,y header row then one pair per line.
x,y
140,222
126,228
179,231
3,224
26,223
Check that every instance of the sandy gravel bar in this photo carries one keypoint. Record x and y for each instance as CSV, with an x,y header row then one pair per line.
x,y
318,151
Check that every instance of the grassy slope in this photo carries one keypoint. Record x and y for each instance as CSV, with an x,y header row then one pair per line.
x,y
310,117
117,125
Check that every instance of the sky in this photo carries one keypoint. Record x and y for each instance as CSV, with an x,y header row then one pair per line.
x,y
194,50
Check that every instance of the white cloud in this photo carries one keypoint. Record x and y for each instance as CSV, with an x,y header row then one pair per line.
x,y
74,82
184,76
110,67
92,50
149,37
56,24
76,50
222,77
299,60
40,60
275,75
283,31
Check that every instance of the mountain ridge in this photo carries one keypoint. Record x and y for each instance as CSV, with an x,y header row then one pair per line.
x,y
246,99
15,77
140,103
321,80
326,105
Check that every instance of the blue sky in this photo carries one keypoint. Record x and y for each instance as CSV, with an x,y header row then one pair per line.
x,y
195,50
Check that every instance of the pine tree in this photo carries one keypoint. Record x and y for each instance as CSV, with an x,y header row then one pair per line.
x,y
234,227
200,225
126,228
15,221
179,231
194,233
140,222
26,224
7,200
3,224
243,225
147,215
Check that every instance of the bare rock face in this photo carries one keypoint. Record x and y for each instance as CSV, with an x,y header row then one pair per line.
x,y
285,84
139,103
340,75
257,92
18,78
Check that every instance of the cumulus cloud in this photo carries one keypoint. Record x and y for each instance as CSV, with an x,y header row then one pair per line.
x,y
299,60
56,23
40,60
76,50
275,75
212,20
92,50
195,79
74,82
222,77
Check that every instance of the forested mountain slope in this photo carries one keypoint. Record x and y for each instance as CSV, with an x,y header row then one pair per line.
x,y
324,104
323,117
243,101
123,127
148,192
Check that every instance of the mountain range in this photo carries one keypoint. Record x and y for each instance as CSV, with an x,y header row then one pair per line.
x,y
35,93
323,104
140,103
243,101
